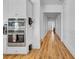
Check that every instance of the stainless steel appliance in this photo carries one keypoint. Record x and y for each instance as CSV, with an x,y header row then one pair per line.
x,y
16,32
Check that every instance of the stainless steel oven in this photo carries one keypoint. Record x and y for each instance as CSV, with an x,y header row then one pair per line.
x,y
16,40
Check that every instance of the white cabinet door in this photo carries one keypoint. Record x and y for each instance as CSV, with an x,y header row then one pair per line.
x,y
4,44
15,8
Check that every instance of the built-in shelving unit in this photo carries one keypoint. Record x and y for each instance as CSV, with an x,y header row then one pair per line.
x,y
16,32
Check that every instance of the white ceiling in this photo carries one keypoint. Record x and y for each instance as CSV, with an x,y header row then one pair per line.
x,y
46,2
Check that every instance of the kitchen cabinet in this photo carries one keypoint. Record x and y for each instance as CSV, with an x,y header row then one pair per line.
x,y
15,8
4,44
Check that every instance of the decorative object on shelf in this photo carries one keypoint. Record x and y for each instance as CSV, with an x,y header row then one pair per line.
x,y
30,21
5,29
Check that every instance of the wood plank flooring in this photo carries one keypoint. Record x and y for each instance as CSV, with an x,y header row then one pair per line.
x,y
51,48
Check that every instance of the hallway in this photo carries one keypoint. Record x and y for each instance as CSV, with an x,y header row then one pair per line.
x,y
51,48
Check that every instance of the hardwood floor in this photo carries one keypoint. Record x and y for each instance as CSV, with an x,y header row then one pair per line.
x,y
51,48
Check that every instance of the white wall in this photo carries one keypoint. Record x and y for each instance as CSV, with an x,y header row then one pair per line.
x,y
58,24
29,28
43,25
36,30
29,8
52,8
69,25
14,8
41,21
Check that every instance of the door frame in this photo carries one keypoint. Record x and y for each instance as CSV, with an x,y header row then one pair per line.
x,y
61,13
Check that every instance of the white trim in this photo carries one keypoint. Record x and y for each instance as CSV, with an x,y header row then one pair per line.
x,y
62,26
